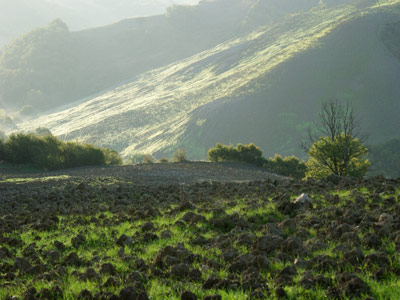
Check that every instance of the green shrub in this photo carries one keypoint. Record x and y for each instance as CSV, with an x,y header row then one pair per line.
x,y
342,156
288,166
111,157
163,160
43,131
180,156
51,153
246,153
148,159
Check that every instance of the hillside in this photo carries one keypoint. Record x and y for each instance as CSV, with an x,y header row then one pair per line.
x,y
263,87
20,16
53,66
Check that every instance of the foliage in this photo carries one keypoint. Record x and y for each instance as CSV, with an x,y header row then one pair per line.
x,y
337,147
140,158
342,156
288,166
51,153
148,159
111,157
163,160
43,131
37,70
180,156
385,159
246,153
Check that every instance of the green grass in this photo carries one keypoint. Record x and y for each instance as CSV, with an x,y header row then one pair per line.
x,y
100,241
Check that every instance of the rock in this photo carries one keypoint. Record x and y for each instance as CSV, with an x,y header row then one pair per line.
x,y
90,274
280,292
5,253
377,258
303,202
112,282
166,234
78,240
72,260
22,265
371,241
213,297
149,226
129,293
53,255
108,268
211,282
230,254
180,270
288,225
292,245
136,276
354,257
352,285
30,294
85,295
59,246
187,295
246,239
194,275
268,243
192,218
124,240
149,237
53,293
36,270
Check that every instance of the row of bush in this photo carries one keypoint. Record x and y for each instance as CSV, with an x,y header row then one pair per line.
x,y
51,153
142,158
287,166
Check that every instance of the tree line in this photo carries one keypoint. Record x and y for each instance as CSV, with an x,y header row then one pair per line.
x,y
45,151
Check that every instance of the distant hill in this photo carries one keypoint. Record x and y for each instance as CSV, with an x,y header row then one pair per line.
x,y
264,87
20,16
53,66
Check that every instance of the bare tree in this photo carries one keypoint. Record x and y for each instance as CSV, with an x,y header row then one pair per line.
x,y
335,119
339,137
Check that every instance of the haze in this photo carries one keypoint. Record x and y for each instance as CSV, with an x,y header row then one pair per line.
x,y
20,16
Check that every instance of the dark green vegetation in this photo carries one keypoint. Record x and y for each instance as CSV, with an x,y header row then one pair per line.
x,y
103,237
326,157
246,153
46,151
385,159
288,166
337,147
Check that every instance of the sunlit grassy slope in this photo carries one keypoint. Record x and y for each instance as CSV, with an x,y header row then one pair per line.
x,y
156,113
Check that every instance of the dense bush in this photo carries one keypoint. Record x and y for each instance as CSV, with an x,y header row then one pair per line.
x,y
342,156
140,158
43,131
51,153
385,159
246,153
288,166
180,156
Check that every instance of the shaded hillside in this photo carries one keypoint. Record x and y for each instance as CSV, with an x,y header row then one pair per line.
x,y
20,16
264,87
52,66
